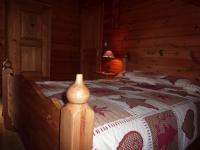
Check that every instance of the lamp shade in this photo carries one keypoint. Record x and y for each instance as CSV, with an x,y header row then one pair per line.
x,y
108,54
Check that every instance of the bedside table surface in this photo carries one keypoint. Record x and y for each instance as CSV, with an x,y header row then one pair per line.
x,y
107,73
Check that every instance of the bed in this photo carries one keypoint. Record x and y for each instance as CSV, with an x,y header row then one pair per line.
x,y
135,110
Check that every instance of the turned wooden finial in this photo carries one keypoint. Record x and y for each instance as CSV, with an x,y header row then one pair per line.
x,y
78,93
77,118
7,64
7,92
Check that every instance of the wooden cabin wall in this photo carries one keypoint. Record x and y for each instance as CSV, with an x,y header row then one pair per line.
x,y
91,37
2,37
65,48
65,38
161,36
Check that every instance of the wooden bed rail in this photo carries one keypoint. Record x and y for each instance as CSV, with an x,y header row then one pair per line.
x,y
37,118
77,119
7,92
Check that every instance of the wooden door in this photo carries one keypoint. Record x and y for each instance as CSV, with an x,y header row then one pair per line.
x,y
2,38
29,38
91,39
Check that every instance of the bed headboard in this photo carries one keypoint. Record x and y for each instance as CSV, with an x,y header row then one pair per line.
x,y
184,63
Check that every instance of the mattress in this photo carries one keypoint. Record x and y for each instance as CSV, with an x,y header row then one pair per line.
x,y
134,113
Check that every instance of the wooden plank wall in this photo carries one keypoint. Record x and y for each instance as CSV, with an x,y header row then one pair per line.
x,y
65,52
161,36
65,38
2,37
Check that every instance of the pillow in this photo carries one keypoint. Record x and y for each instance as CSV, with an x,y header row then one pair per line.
x,y
122,74
148,74
188,85
130,74
144,77
171,79
150,80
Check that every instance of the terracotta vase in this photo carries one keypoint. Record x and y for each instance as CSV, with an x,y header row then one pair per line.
x,y
78,93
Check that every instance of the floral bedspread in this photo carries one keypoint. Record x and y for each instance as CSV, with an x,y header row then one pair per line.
x,y
135,115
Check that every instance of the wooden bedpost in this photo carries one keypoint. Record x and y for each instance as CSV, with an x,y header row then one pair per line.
x,y
7,92
77,119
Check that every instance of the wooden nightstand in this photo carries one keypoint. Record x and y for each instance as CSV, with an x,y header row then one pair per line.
x,y
105,75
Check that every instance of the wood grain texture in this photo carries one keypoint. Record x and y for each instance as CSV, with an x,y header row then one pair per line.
x,y
36,117
65,37
7,94
65,52
91,39
156,40
76,127
77,118
42,123
29,112
2,38
29,34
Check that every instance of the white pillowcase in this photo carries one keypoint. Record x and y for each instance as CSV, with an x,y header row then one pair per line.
x,y
144,77
148,74
187,85
149,80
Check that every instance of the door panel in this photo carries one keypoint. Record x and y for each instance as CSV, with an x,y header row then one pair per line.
x,y
29,38
31,25
2,38
31,59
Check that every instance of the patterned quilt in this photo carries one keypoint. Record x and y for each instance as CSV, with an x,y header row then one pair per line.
x,y
138,115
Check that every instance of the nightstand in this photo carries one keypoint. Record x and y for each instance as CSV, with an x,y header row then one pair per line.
x,y
105,75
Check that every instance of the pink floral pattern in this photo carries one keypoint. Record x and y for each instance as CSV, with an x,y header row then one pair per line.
x,y
165,137
104,92
132,140
188,124
129,88
197,104
124,96
164,130
100,110
133,102
153,87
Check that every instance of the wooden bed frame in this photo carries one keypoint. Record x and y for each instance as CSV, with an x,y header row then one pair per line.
x,y
41,122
